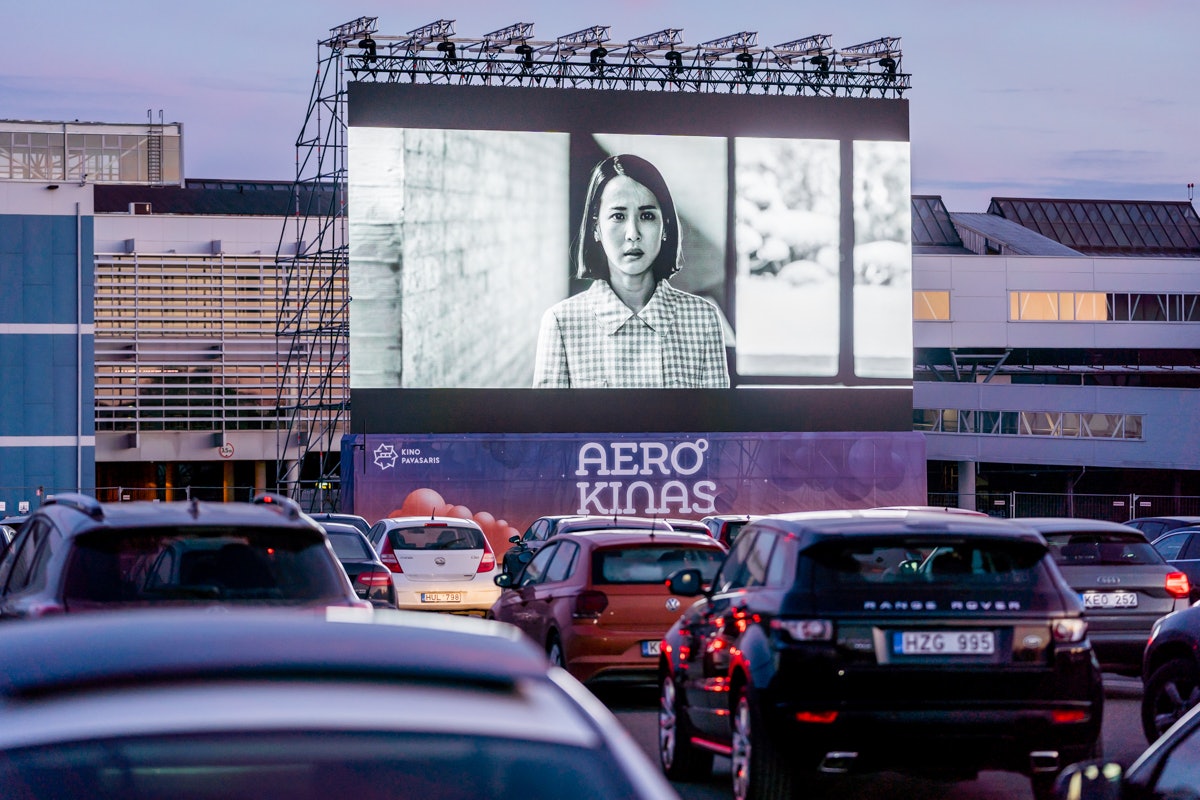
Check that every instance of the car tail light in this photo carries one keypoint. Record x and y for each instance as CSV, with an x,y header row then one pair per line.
x,y
590,604
820,717
375,578
1178,585
1068,630
388,556
1067,716
488,562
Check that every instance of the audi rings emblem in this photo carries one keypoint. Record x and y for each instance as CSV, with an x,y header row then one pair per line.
x,y
672,604
441,562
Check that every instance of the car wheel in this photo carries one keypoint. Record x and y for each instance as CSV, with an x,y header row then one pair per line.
x,y
758,767
1170,692
680,759
554,652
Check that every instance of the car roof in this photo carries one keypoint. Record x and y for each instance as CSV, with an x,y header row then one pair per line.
x,y
341,528
596,522
1191,520
624,536
812,526
1076,525
420,522
131,647
941,509
75,513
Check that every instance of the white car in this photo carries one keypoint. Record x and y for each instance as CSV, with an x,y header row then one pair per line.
x,y
438,563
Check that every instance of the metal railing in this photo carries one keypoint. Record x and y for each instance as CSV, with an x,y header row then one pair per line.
x,y
1111,507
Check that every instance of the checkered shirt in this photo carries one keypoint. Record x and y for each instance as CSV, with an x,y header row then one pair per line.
x,y
593,340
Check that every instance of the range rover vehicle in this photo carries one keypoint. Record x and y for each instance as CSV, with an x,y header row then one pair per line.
x,y
921,642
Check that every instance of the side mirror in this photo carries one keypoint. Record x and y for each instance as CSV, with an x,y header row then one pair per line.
x,y
686,583
515,539
503,580
1089,780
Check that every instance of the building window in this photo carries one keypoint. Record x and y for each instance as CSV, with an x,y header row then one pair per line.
x,y
931,306
1053,424
1102,307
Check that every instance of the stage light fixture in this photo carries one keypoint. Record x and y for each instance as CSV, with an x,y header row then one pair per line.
x,y
745,64
889,65
526,54
821,62
449,51
367,45
597,58
674,62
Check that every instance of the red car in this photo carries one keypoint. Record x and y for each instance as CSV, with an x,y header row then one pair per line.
x,y
597,601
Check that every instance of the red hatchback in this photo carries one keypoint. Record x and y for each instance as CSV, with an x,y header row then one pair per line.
x,y
597,601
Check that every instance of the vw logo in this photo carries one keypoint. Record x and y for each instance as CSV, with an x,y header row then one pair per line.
x,y
441,562
672,604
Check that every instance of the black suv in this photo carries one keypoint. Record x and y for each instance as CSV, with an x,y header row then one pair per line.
x,y
878,640
77,554
1170,671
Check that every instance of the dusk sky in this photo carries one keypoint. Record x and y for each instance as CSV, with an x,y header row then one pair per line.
x,y
1039,98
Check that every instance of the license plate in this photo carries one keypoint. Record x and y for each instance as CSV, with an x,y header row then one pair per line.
x,y
1110,600
652,647
441,597
944,643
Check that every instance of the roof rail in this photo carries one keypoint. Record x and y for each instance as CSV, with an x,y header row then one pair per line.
x,y
80,502
284,505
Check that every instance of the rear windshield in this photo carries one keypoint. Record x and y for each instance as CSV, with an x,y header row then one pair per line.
x,y
652,564
1104,549
445,537
350,545
215,563
917,562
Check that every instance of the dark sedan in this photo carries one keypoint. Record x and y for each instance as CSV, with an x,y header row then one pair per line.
x,y
1124,583
370,577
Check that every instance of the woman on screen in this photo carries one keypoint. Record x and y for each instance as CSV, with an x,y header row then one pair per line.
x,y
631,329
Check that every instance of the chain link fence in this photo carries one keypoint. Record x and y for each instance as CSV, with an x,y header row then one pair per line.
x,y
1111,507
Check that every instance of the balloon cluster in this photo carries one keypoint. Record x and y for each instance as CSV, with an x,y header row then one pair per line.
x,y
429,503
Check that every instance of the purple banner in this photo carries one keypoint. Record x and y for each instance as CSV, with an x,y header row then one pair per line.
x,y
505,481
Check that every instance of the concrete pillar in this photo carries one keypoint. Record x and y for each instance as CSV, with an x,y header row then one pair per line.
x,y
260,477
966,485
227,482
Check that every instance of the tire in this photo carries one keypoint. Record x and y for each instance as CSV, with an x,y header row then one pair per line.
x,y
554,651
680,759
759,769
1170,692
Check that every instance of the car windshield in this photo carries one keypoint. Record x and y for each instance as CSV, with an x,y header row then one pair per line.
x,y
652,564
1105,549
928,561
314,766
149,565
432,537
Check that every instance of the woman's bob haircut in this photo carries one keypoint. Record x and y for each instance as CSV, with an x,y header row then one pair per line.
x,y
591,262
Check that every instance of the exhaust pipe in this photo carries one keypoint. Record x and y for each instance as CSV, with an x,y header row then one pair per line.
x,y
1043,760
838,762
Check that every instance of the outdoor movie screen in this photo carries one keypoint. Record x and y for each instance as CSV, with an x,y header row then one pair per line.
x,y
557,254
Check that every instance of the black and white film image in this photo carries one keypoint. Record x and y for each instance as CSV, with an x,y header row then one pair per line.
x,y
883,345
787,286
458,241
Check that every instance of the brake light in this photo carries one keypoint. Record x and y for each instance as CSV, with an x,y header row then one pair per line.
x,y
1068,716
488,562
590,604
822,717
1178,585
805,630
375,578
1068,630
388,556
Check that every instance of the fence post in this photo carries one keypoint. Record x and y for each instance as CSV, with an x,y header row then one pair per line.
x,y
1012,505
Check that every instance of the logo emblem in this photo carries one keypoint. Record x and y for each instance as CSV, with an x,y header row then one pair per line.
x,y
1108,579
385,456
672,604
441,562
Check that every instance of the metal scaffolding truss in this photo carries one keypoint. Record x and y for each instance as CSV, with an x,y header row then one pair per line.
x,y
312,326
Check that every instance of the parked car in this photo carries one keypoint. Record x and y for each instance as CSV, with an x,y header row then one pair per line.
x,y
1171,671
8,529
839,641
725,527
597,602
438,563
1154,527
941,509
77,554
346,519
1124,582
525,545
1180,547
1167,769
370,577
524,550
285,706
687,525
